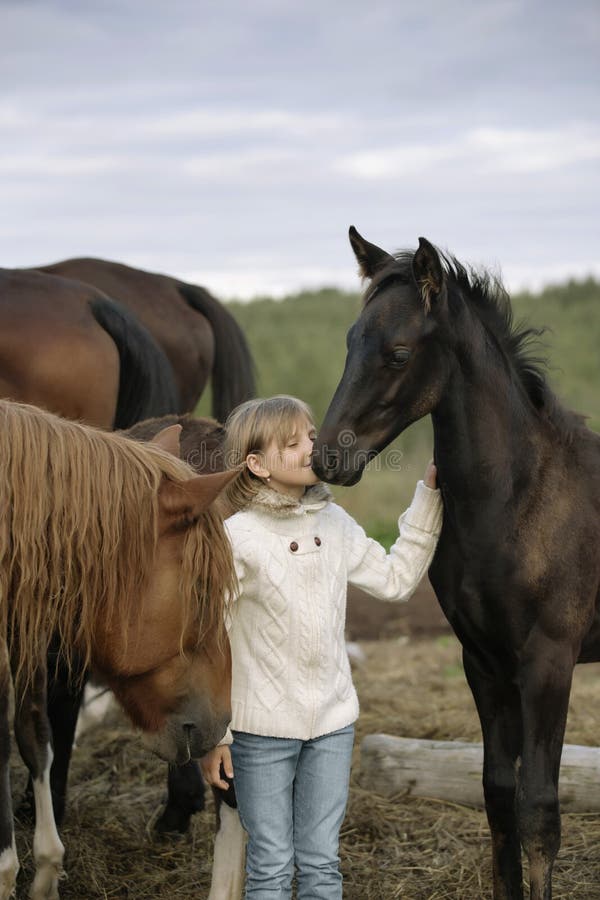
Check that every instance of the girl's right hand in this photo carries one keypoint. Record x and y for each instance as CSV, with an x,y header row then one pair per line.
x,y
210,766
430,476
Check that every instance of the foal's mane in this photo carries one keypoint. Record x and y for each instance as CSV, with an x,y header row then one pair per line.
x,y
488,299
78,533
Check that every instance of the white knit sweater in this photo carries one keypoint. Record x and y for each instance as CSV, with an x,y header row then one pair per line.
x,y
294,559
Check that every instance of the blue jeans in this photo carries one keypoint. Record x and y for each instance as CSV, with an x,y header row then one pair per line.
x,y
291,799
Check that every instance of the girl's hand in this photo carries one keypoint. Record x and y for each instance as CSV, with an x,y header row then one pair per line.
x,y
210,766
430,476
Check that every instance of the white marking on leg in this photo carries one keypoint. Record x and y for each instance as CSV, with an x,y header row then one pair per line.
x,y
48,849
229,857
9,867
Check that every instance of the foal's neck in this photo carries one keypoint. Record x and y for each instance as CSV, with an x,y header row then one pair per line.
x,y
483,431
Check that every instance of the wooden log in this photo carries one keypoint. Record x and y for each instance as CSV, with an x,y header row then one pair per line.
x,y
451,770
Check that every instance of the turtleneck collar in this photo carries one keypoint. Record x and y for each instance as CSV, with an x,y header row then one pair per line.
x,y
274,503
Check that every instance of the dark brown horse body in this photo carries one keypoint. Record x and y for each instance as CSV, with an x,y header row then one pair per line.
x,y
198,335
69,348
517,569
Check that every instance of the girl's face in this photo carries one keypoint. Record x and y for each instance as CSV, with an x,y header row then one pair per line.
x,y
288,469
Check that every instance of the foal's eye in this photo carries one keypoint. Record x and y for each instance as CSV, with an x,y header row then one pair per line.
x,y
399,357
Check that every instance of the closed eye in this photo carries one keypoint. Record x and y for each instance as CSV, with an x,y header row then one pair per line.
x,y
399,357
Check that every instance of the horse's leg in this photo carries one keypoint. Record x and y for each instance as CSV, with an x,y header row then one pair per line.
x,y
498,705
32,731
9,863
545,682
64,701
185,797
229,854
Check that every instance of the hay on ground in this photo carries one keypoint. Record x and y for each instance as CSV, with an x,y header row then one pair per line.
x,y
401,849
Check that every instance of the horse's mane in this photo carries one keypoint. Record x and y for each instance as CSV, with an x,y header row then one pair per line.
x,y
78,533
487,296
488,299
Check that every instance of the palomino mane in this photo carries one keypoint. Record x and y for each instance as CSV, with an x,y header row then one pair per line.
x,y
78,535
487,297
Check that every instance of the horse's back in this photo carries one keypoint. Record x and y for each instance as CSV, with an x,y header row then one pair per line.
x,y
53,352
183,332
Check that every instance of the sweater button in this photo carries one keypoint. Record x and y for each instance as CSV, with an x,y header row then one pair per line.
x,y
293,546
318,541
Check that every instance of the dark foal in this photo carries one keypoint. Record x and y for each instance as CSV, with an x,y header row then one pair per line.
x,y
517,570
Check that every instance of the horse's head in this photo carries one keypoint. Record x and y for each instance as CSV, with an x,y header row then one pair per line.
x,y
170,665
395,368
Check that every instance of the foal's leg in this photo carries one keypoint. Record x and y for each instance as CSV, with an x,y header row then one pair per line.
x,y
545,681
498,705
9,863
32,730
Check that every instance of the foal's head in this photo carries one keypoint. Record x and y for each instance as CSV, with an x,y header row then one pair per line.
x,y
396,367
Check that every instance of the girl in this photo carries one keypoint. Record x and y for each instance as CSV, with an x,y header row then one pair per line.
x,y
293,701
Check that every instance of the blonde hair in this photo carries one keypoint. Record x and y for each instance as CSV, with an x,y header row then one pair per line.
x,y
249,429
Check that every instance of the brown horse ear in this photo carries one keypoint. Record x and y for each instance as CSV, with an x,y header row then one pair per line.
x,y
370,258
185,501
428,273
168,439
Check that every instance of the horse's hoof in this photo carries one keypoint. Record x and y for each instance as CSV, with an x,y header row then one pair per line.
x,y
9,867
45,883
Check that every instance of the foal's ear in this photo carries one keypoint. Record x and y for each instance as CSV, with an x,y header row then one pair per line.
x,y
428,273
370,258
184,502
168,439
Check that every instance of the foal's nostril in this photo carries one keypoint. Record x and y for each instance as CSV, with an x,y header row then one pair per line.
x,y
325,461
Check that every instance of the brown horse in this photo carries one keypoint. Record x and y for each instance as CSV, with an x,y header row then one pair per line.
x,y
198,335
517,569
71,349
111,545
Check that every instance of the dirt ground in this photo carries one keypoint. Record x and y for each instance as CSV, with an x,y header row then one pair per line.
x,y
369,619
410,684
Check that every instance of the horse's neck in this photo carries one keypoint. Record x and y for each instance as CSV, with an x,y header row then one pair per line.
x,y
482,438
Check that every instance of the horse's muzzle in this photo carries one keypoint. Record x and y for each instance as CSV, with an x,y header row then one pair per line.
x,y
181,740
339,465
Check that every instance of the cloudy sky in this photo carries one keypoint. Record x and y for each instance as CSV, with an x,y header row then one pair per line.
x,y
233,143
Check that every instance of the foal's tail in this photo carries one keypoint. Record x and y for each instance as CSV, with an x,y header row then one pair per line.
x,y
146,383
233,368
